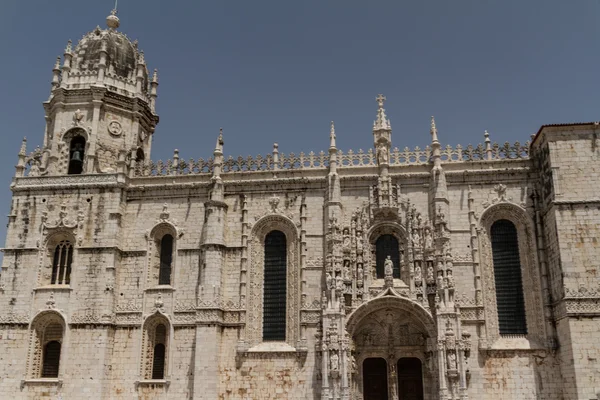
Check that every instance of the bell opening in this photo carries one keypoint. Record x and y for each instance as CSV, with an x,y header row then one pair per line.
x,y
76,155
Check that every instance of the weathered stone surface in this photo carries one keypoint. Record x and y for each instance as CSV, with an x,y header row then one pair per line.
x,y
437,203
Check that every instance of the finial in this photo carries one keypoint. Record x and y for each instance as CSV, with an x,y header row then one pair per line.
x,y
381,122
220,142
23,150
57,63
69,46
487,136
433,131
112,21
380,100
332,135
155,76
141,58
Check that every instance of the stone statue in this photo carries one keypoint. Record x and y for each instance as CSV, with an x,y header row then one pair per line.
x,y
451,361
335,362
428,238
329,280
382,155
388,266
449,278
339,282
347,270
430,278
418,275
416,239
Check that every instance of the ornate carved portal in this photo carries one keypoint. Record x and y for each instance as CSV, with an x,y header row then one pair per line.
x,y
391,354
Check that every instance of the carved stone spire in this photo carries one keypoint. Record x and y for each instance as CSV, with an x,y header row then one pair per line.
x,y
23,150
434,134
218,163
381,122
332,136
334,181
56,74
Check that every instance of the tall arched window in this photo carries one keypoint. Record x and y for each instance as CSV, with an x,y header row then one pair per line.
x,y
274,297
76,155
166,260
507,274
158,360
51,358
387,245
51,346
61,263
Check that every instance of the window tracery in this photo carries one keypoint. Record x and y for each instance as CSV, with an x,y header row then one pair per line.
x,y
529,272
46,340
256,285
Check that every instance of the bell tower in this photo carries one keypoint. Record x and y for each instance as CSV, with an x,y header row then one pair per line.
x,y
101,111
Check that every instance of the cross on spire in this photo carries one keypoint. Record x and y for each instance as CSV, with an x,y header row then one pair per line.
x,y
380,99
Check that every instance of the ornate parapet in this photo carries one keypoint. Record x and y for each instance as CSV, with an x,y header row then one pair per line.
x,y
349,159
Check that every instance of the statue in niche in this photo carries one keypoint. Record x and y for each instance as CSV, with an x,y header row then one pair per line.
x,y
382,155
388,267
416,239
430,278
440,279
339,282
334,361
353,366
346,243
360,272
428,238
449,279
359,244
347,270
451,361
418,274
329,280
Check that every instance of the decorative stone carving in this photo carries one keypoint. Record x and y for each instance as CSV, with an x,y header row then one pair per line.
x,y
115,128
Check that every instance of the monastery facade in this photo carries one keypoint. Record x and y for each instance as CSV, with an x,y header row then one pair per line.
x,y
435,273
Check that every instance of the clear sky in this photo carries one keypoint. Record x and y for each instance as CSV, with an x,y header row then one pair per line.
x,y
279,71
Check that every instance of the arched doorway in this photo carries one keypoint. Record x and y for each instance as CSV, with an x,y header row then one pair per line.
x,y
410,379
391,334
375,384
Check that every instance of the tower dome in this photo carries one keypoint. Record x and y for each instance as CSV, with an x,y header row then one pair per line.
x,y
124,63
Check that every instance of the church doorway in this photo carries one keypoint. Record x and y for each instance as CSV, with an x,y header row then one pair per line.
x,y
375,384
410,379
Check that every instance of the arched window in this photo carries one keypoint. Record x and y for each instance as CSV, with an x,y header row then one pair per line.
x,y
166,260
51,339
51,358
275,285
61,263
158,360
507,274
387,245
155,348
76,155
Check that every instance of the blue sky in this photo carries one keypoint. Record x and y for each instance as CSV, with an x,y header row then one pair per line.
x,y
279,71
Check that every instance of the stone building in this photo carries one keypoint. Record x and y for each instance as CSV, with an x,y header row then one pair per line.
x,y
435,273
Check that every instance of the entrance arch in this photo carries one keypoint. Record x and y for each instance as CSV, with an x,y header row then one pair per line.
x,y
396,335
